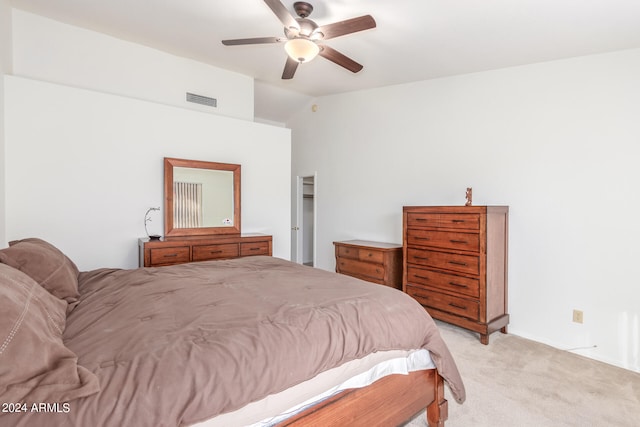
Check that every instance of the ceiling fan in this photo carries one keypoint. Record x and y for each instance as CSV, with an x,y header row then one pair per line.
x,y
304,38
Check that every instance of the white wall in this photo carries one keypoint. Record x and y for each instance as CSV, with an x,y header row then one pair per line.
x,y
558,142
48,50
82,168
91,118
5,68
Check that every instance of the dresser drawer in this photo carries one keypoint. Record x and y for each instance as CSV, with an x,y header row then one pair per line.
x,y
207,252
469,264
360,268
447,282
362,254
444,239
164,256
459,306
444,220
254,248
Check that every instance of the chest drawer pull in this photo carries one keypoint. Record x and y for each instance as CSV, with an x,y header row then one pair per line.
x,y
458,220
255,249
428,279
458,285
464,242
422,238
461,307
464,264
169,255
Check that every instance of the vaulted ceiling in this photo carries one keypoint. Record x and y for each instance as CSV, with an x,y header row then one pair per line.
x,y
413,39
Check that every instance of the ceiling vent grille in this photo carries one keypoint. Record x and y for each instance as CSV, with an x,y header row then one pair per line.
x,y
204,100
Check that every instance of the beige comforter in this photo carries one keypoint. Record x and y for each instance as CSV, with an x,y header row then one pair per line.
x,y
177,345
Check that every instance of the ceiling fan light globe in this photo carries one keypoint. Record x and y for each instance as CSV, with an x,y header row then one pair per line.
x,y
301,50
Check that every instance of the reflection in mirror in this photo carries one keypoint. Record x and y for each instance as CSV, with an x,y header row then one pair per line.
x,y
191,209
201,197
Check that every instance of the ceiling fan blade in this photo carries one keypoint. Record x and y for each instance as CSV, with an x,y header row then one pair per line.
x,y
289,68
348,26
255,40
344,61
283,14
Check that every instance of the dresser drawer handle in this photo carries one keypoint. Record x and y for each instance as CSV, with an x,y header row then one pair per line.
x,y
464,264
424,258
458,285
464,242
422,277
215,252
461,307
458,220
422,238
421,219
170,255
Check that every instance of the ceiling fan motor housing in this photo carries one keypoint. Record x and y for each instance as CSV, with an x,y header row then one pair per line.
x,y
307,29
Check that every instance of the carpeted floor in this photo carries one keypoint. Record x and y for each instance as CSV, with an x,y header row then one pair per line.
x,y
515,382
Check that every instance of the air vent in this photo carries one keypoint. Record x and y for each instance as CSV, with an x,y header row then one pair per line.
x,y
204,100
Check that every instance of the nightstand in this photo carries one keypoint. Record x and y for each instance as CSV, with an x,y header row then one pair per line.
x,y
376,262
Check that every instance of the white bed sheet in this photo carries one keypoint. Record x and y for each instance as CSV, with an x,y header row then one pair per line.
x,y
355,374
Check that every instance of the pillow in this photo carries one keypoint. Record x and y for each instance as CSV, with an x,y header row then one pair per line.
x,y
45,264
35,365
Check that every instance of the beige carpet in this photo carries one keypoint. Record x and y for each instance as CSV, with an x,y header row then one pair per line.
x,y
515,382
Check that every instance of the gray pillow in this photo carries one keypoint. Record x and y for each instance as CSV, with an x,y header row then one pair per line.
x,y
45,264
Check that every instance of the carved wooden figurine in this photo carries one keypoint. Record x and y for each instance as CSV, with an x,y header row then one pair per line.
x,y
469,196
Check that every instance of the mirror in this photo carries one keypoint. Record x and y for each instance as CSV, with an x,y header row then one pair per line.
x,y
201,198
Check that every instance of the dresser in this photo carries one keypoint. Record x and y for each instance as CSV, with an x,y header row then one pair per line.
x,y
376,262
178,250
455,264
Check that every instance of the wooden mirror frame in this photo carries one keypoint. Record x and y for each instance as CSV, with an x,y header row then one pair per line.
x,y
169,230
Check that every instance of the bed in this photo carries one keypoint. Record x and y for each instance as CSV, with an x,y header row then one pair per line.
x,y
249,341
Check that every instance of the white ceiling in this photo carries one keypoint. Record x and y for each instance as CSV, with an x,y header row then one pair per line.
x,y
414,39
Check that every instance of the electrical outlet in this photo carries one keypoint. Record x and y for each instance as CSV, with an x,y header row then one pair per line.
x,y
577,316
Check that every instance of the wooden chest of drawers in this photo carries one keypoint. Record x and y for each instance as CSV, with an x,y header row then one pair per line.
x,y
375,262
155,253
456,264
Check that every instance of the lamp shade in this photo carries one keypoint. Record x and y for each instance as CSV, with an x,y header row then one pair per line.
x,y
301,50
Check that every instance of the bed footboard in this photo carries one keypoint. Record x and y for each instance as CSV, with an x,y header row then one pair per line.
x,y
390,401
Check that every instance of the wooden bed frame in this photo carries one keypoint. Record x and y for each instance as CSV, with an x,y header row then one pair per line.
x,y
391,401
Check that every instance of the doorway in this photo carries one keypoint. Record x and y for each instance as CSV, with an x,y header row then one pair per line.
x,y
305,229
